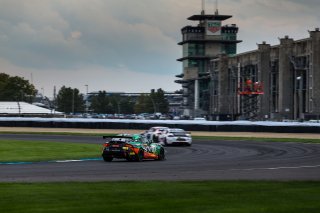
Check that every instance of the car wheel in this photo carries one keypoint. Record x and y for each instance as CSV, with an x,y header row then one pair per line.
x,y
107,159
140,155
161,155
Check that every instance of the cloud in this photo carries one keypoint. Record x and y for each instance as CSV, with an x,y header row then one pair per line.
x,y
81,40
68,34
75,35
261,20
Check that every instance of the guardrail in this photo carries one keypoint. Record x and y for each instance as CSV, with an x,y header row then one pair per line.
x,y
278,127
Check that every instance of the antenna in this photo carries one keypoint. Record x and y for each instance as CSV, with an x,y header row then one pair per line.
x,y
203,7
216,8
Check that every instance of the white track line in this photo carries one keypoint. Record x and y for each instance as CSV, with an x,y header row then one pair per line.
x,y
276,168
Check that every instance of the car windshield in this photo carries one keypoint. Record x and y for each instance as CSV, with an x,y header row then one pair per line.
x,y
120,140
178,132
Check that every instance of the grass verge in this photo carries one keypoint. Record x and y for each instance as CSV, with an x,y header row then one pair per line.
x,y
31,151
208,196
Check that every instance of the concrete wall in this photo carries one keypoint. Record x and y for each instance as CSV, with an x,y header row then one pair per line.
x,y
264,76
315,64
286,81
224,87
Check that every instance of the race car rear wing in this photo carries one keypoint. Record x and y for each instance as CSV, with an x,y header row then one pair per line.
x,y
110,137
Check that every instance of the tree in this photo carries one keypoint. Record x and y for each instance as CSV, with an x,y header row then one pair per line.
x,y
15,89
159,102
155,102
70,100
127,106
140,105
100,103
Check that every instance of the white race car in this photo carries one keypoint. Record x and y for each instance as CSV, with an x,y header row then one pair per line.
x,y
175,137
154,133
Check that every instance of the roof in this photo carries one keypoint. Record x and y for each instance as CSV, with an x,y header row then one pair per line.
x,y
23,108
209,17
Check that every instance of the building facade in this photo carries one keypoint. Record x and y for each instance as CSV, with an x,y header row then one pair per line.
x,y
271,83
279,82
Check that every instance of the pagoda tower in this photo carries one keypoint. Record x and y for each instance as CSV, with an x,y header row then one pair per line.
x,y
201,44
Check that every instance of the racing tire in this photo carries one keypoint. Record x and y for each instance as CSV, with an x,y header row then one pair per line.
x,y
107,159
161,155
140,155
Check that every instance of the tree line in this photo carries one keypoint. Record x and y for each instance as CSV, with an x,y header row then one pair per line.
x,y
70,100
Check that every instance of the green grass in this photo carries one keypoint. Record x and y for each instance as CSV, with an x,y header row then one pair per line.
x,y
210,196
30,151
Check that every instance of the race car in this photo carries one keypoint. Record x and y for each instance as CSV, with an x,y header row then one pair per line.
x,y
154,132
175,137
132,148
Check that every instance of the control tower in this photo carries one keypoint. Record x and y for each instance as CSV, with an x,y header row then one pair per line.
x,y
201,44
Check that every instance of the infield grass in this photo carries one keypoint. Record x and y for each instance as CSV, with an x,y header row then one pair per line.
x,y
208,196
31,151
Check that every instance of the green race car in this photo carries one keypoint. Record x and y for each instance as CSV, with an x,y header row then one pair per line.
x,y
132,148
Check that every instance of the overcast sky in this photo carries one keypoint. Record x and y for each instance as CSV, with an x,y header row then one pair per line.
x,y
127,45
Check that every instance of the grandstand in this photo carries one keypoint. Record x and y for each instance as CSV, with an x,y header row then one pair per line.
x,y
24,109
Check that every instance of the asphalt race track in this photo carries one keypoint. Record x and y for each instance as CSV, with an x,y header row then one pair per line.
x,y
204,160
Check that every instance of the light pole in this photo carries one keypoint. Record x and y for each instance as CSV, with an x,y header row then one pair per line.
x,y
87,97
42,91
72,101
86,88
300,100
153,104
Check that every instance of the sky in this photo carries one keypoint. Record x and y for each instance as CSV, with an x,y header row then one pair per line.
x,y
127,45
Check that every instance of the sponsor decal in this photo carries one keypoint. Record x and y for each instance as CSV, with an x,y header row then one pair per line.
x,y
213,27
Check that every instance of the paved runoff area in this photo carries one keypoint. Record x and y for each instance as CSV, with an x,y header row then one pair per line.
x,y
204,160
